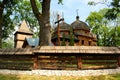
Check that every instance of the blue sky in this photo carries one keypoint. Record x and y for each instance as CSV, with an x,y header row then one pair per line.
x,y
69,8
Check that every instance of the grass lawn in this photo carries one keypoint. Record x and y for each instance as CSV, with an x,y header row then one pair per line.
x,y
33,77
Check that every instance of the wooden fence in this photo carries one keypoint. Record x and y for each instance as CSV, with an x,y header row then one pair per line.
x,y
17,62
75,62
59,61
60,58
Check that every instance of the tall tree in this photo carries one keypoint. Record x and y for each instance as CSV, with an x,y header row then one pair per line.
x,y
43,18
6,8
114,11
95,21
107,30
44,21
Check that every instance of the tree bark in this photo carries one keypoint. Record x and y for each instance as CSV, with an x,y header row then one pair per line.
x,y
44,21
1,19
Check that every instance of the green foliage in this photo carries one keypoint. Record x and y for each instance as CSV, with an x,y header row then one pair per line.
x,y
7,23
8,43
60,1
24,11
113,12
107,31
91,3
95,23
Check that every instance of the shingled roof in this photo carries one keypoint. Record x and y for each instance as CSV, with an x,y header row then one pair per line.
x,y
16,51
24,28
80,25
61,50
78,50
63,26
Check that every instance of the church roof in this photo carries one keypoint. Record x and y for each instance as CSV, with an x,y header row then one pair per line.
x,y
24,28
62,50
63,26
33,42
66,37
79,24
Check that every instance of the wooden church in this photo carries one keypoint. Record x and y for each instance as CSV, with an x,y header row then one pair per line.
x,y
81,34
78,31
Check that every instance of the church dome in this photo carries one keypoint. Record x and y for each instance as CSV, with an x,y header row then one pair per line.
x,y
79,24
63,26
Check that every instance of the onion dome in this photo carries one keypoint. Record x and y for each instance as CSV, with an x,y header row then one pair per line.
x,y
79,24
63,27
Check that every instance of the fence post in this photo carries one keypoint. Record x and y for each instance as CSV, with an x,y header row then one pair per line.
x,y
79,64
119,60
35,64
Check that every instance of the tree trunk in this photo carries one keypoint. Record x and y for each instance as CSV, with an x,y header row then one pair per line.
x,y
44,21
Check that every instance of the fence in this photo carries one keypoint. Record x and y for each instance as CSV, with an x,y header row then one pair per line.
x,y
75,62
17,62
60,58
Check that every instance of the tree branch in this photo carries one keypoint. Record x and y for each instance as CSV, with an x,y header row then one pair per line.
x,y
35,9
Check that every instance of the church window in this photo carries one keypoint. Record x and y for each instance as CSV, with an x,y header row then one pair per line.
x,y
89,43
82,42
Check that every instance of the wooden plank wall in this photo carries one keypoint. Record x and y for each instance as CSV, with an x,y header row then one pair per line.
x,y
99,61
72,62
61,62
17,62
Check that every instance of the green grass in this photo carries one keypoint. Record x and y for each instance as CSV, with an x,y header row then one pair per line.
x,y
33,77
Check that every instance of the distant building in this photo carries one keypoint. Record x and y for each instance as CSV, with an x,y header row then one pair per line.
x,y
81,35
81,32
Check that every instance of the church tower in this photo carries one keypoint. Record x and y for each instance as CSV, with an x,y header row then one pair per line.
x,y
22,33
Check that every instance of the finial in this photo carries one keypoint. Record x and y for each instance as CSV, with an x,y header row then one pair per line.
x,y
77,17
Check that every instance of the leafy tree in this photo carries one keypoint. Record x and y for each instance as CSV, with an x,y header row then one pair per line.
x,y
95,21
24,11
8,43
113,12
6,24
107,30
43,18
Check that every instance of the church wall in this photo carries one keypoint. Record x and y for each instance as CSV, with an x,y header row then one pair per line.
x,y
23,36
19,39
19,44
84,41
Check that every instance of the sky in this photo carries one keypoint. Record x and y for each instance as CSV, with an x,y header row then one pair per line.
x,y
69,9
